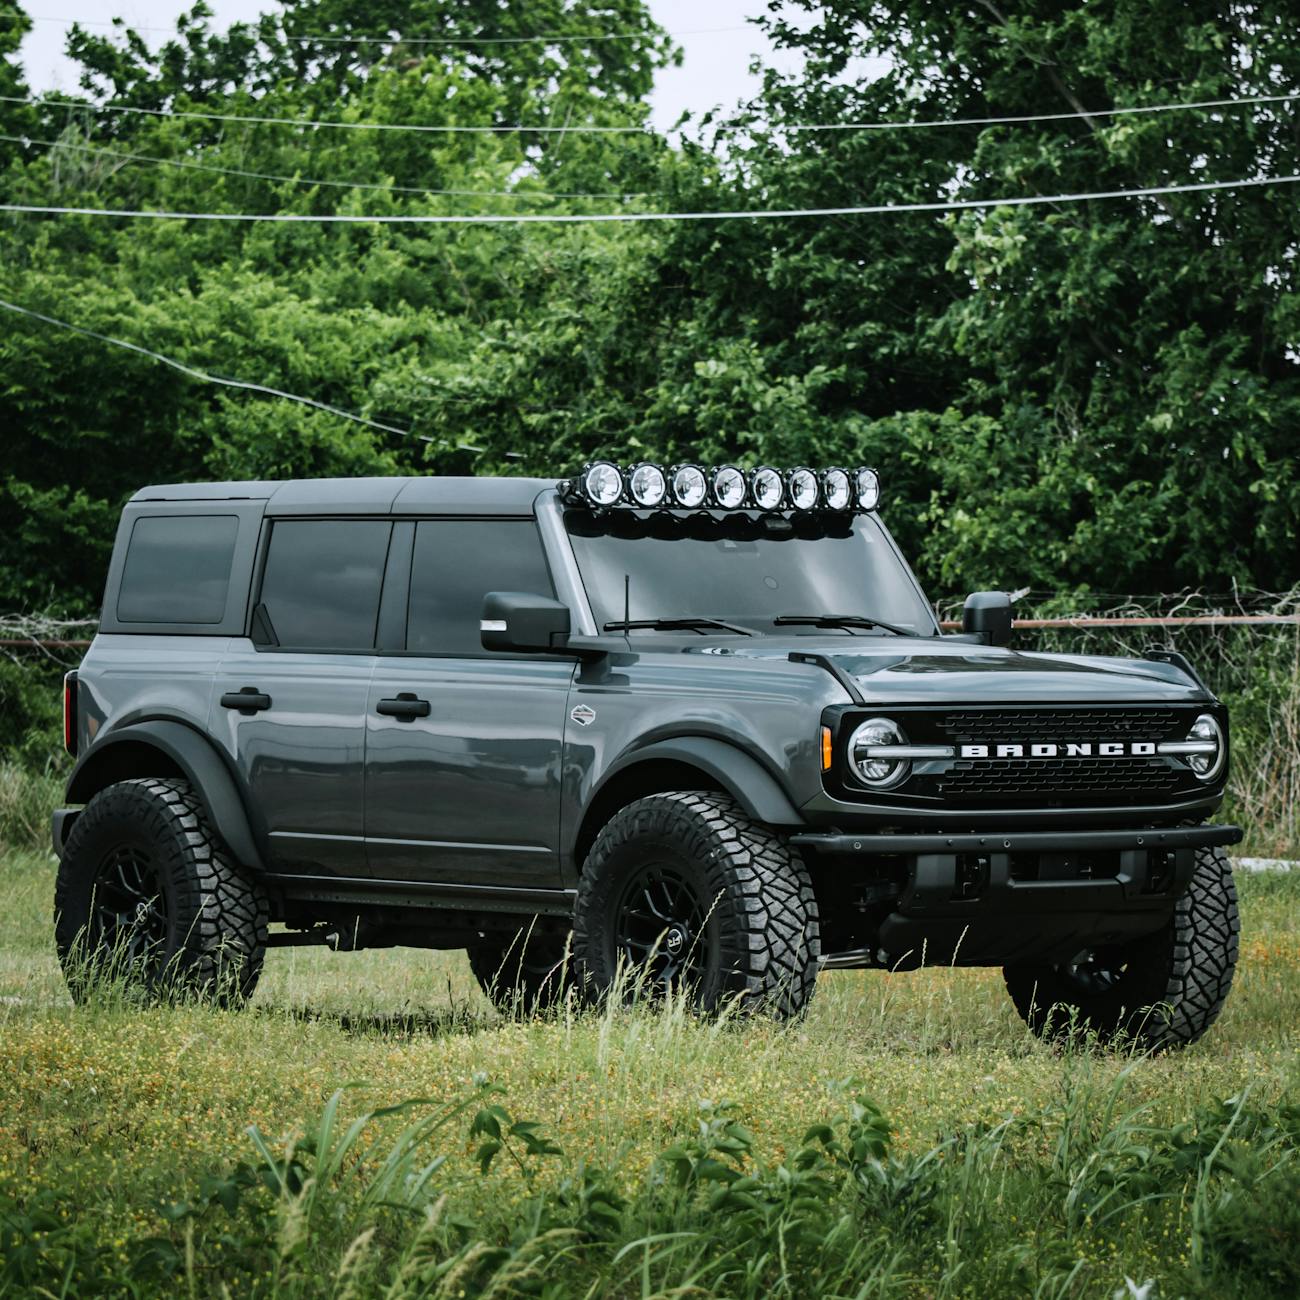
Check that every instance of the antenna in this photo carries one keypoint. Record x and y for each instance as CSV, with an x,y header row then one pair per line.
x,y
627,601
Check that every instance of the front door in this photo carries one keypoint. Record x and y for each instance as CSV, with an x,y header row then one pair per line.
x,y
290,709
464,747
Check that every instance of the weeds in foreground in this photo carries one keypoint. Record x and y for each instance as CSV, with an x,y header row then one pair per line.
x,y
349,1207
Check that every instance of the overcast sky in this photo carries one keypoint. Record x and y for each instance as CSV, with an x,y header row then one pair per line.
x,y
714,34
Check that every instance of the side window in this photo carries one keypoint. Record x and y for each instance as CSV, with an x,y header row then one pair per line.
x,y
320,588
455,564
177,569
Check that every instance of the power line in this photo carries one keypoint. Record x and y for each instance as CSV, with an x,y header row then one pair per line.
x,y
205,376
36,101
302,180
552,38
550,218
1005,120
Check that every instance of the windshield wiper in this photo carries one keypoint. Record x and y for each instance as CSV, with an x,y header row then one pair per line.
x,y
687,624
846,621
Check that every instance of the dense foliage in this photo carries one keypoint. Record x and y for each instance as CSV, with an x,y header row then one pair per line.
x,y
1099,394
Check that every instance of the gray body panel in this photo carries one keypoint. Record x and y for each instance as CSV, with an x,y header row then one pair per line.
x,y
302,760
469,794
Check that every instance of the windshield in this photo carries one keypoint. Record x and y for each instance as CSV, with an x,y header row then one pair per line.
x,y
745,571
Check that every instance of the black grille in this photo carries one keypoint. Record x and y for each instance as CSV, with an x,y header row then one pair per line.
x,y
1061,725
1077,781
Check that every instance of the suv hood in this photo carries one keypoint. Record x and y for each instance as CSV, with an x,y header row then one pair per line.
x,y
927,671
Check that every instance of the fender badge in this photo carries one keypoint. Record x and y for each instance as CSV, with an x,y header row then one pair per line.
x,y
582,715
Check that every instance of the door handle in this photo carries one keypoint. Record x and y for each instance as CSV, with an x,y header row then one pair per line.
x,y
248,699
405,707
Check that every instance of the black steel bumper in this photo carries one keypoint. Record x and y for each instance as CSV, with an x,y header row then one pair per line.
x,y
1191,837
992,899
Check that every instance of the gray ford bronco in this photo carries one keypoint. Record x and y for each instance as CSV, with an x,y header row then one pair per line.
x,y
657,727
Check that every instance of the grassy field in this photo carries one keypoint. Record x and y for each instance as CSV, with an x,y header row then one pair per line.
x,y
193,1151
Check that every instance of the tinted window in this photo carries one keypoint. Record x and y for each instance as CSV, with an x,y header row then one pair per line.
x,y
322,581
177,569
456,563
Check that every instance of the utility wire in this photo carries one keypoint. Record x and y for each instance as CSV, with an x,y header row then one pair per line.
x,y
529,218
302,180
1243,102
554,38
208,378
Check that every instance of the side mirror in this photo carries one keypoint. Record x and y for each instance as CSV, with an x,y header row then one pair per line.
x,y
987,615
517,620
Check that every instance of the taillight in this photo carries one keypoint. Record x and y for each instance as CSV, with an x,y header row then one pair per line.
x,y
70,712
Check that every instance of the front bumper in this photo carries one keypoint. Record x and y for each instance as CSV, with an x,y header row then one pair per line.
x,y
984,898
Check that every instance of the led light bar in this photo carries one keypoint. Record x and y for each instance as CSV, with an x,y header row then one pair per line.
x,y
604,485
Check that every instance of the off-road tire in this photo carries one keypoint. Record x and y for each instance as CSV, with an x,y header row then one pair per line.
x,y
1173,984
523,972
760,937
209,915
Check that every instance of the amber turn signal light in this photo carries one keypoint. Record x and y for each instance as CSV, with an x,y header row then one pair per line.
x,y
826,749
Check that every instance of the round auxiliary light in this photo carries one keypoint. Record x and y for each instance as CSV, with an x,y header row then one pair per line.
x,y
1207,766
602,483
729,487
837,489
802,487
689,485
869,755
766,488
648,485
867,485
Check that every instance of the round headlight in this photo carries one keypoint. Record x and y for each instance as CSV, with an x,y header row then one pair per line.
x,y
648,485
869,753
837,490
1206,730
867,484
728,487
802,486
689,485
602,483
766,488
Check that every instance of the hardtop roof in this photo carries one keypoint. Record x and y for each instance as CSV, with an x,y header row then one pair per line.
x,y
411,494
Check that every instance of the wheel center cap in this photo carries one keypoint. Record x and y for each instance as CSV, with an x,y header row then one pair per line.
x,y
675,939
141,913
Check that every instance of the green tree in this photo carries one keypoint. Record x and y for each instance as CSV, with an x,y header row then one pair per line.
x,y
381,321
1079,394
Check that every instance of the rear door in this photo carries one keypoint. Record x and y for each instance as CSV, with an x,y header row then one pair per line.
x,y
464,746
291,706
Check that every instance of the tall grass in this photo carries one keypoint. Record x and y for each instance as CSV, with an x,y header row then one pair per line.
x,y
1045,1204
27,800
907,1138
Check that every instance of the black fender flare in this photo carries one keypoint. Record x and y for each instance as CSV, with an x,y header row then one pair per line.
x,y
117,756
740,774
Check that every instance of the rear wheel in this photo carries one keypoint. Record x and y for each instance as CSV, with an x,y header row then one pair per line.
x,y
522,972
1163,990
688,894
148,895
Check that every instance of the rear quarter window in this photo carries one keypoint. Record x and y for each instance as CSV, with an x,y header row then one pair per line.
x,y
177,569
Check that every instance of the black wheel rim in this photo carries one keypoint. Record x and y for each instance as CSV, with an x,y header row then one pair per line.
x,y
129,909
662,929
1095,971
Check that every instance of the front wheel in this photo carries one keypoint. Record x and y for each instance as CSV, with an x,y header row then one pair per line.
x,y
1162,990
683,892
